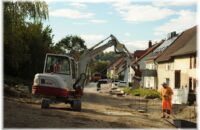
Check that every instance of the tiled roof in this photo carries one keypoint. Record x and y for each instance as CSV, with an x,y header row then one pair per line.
x,y
190,47
149,50
181,41
139,53
120,61
158,51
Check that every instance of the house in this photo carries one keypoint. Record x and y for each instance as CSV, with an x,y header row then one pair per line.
x,y
177,65
126,71
119,67
150,77
142,61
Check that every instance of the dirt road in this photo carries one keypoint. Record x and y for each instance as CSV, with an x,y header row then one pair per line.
x,y
99,110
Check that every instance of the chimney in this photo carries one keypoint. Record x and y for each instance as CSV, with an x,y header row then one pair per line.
x,y
150,44
171,35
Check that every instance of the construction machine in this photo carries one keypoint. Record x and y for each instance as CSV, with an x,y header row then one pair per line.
x,y
63,78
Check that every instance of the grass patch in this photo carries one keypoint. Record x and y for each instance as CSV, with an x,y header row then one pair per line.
x,y
147,93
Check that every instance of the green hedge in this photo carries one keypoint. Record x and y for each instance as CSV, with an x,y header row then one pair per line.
x,y
147,93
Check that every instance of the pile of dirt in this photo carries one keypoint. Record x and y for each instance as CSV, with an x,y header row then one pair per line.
x,y
189,113
19,90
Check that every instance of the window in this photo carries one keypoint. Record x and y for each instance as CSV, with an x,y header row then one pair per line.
x,y
190,62
195,61
57,64
168,81
168,67
190,84
152,66
177,79
194,85
148,83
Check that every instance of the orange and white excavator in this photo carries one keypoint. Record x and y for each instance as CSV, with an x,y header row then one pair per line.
x,y
63,78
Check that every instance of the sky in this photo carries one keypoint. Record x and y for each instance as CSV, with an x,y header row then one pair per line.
x,y
132,22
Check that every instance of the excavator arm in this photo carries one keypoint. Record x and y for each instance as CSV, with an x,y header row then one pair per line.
x,y
94,51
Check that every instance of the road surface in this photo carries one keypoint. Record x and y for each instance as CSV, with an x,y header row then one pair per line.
x,y
99,110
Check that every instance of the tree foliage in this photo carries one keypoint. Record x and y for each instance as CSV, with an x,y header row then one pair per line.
x,y
73,45
98,66
107,56
101,62
25,39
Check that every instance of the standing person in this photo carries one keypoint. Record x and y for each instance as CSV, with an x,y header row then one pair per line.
x,y
166,94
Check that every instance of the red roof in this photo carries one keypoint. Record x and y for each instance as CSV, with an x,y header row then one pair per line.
x,y
148,50
138,53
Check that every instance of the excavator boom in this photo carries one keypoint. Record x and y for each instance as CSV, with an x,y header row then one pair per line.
x,y
94,51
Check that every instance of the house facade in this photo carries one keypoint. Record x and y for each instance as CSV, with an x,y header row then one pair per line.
x,y
151,78
121,70
126,71
145,68
177,66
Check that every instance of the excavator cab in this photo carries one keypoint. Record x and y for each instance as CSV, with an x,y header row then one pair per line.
x,y
57,64
56,82
59,75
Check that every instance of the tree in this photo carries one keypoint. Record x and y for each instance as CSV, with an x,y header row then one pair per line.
x,y
24,37
107,56
39,41
73,45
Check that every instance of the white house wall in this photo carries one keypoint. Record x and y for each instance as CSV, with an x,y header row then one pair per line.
x,y
163,74
143,67
183,64
131,74
150,81
128,74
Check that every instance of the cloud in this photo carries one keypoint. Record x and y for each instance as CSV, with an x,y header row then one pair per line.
x,y
80,23
133,45
71,14
175,3
127,34
80,1
136,45
155,2
92,39
98,21
141,13
110,13
185,20
78,5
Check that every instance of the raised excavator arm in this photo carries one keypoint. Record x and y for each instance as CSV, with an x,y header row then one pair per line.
x,y
57,86
95,50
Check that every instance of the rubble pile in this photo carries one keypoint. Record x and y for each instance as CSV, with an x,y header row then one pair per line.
x,y
19,90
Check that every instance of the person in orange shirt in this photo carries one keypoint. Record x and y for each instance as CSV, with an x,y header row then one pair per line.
x,y
166,94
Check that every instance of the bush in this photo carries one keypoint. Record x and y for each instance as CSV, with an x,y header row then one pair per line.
x,y
147,93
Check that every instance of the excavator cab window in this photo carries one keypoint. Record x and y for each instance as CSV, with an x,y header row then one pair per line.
x,y
57,64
